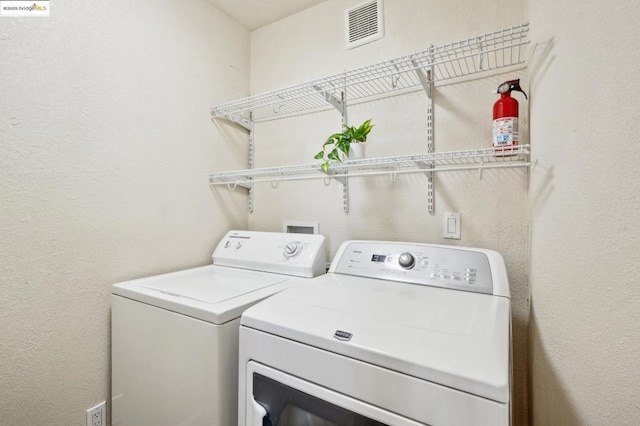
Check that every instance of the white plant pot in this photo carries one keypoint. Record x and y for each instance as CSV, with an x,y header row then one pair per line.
x,y
357,151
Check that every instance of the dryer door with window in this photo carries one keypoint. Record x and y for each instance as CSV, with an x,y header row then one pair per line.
x,y
278,399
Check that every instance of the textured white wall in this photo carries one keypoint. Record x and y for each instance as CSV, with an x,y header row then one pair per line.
x,y
494,210
105,146
584,198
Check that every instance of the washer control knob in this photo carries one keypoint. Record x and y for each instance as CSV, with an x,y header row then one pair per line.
x,y
406,260
292,249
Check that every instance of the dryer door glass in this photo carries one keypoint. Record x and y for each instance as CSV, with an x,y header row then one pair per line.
x,y
287,406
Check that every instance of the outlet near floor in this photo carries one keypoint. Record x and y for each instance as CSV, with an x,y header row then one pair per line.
x,y
97,416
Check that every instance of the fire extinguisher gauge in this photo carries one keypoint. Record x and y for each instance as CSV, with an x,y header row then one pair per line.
x,y
504,87
511,86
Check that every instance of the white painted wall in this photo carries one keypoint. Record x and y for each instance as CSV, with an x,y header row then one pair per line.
x,y
584,198
105,146
92,194
494,210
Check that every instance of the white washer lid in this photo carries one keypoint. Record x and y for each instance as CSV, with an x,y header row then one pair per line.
x,y
211,293
455,338
209,286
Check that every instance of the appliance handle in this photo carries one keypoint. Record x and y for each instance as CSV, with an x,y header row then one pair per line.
x,y
259,414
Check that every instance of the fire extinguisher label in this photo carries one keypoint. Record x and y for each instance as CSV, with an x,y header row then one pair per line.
x,y
505,131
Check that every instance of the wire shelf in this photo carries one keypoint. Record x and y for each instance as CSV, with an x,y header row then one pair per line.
x,y
486,52
476,159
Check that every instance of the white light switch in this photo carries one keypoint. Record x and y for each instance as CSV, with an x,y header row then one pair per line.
x,y
451,225
451,222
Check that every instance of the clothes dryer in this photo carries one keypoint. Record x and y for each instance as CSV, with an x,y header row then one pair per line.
x,y
175,336
399,334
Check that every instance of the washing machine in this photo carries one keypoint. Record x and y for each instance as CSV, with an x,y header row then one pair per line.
x,y
400,334
175,336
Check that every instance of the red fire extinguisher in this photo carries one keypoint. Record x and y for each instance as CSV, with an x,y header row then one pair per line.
x,y
505,118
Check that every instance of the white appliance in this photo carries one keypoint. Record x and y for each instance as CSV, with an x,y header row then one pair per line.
x,y
395,334
175,336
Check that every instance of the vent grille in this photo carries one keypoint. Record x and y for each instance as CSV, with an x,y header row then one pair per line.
x,y
364,23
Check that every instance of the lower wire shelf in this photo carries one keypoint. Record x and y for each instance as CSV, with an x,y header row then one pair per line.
x,y
473,159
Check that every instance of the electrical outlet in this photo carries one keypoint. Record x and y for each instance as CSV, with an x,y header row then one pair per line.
x,y
97,416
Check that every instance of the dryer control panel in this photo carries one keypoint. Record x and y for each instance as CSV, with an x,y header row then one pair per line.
x,y
457,268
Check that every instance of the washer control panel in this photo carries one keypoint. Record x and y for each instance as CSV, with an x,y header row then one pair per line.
x,y
292,249
423,264
291,254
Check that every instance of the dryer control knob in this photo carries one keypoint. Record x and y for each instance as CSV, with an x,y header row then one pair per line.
x,y
406,260
292,249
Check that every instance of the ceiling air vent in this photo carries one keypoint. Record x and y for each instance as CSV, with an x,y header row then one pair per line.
x,y
364,23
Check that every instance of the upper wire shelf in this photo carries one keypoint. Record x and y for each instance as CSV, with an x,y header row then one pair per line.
x,y
478,54
473,159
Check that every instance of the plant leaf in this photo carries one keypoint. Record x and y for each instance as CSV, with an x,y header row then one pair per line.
x,y
344,146
325,167
334,138
333,155
319,155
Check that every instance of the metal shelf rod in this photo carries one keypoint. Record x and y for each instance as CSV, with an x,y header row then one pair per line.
x,y
322,175
458,160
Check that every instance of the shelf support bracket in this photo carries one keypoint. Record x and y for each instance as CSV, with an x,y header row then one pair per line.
x,y
251,158
334,101
345,196
481,52
342,179
345,180
246,123
425,79
339,104
428,83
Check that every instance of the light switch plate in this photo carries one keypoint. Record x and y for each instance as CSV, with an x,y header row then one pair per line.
x,y
451,225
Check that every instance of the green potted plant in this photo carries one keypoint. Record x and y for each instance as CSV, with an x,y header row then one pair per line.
x,y
338,145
